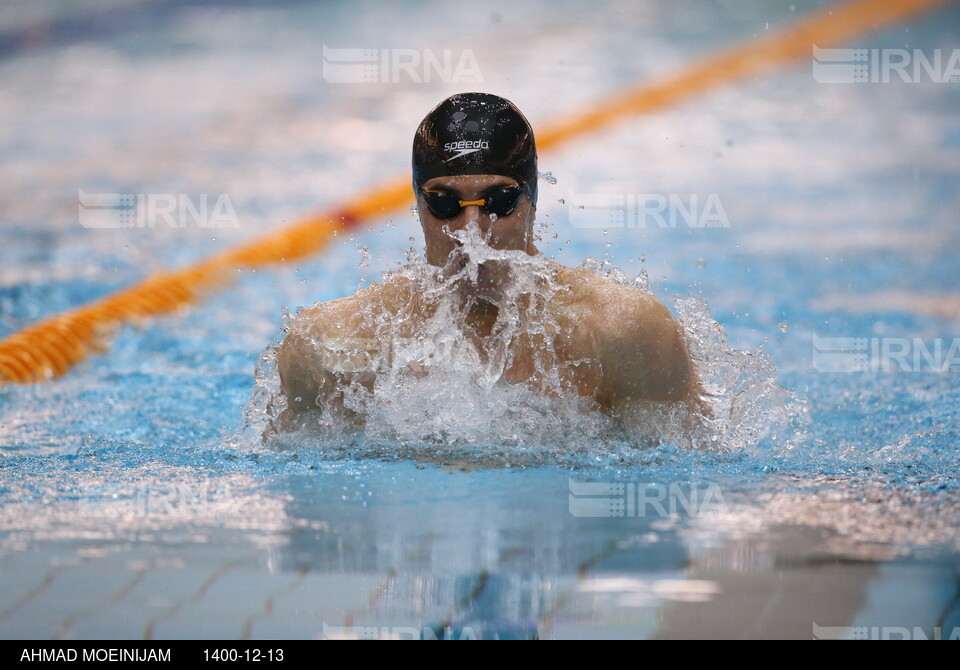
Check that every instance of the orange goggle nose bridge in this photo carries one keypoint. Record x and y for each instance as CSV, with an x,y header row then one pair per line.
x,y
500,202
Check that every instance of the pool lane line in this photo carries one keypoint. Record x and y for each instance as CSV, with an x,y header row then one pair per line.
x,y
246,629
52,346
34,591
829,27
376,596
547,619
66,626
150,628
468,600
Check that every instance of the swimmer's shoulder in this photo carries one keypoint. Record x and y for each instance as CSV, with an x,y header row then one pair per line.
x,y
633,335
585,291
356,312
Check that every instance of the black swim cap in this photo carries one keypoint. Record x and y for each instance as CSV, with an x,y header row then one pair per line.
x,y
475,133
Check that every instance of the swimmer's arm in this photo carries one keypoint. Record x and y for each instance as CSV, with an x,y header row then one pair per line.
x,y
303,378
334,345
323,352
643,353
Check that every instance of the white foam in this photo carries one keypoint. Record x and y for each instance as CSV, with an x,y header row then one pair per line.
x,y
437,389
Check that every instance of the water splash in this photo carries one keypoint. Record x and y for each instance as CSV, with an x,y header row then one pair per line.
x,y
424,385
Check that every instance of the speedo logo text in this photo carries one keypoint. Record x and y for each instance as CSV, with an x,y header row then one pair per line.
x,y
464,147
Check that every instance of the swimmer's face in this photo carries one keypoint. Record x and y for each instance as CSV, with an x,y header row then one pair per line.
x,y
513,232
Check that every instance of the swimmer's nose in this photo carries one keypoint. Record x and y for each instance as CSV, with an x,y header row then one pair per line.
x,y
478,214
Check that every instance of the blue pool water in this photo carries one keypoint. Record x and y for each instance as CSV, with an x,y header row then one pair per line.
x,y
137,500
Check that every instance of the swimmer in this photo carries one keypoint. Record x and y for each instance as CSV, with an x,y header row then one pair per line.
x,y
475,167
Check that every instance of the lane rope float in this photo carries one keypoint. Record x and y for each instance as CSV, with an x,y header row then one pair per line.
x,y
50,347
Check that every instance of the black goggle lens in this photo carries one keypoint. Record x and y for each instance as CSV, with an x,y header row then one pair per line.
x,y
442,205
445,205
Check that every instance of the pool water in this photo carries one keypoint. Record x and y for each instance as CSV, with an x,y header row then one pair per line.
x,y
137,499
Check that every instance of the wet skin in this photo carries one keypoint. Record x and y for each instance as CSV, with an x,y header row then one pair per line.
x,y
613,344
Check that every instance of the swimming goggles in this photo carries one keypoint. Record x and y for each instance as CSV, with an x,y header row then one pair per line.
x,y
500,202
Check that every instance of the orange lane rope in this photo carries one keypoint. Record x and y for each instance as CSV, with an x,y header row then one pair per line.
x,y
51,347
